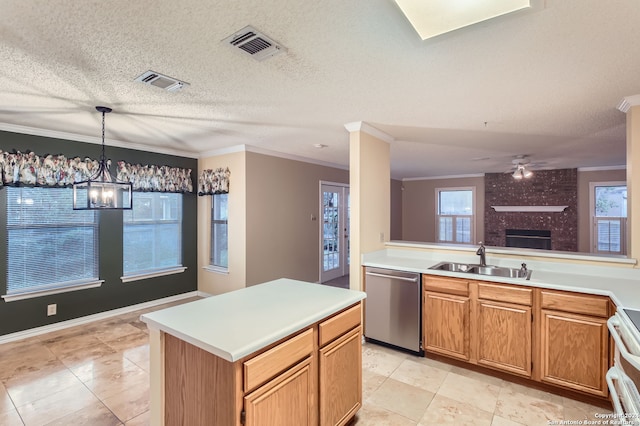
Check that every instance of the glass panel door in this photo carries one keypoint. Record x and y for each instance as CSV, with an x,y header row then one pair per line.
x,y
334,234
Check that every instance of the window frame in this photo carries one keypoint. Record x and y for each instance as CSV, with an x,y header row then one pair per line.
x,y
211,266
54,287
593,234
156,272
472,216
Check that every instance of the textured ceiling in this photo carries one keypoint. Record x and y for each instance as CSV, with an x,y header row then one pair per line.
x,y
544,83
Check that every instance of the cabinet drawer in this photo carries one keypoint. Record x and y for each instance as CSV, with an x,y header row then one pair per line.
x,y
263,367
339,324
446,285
505,293
576,303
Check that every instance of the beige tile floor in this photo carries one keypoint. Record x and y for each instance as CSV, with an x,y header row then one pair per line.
x,y
98,374
401,389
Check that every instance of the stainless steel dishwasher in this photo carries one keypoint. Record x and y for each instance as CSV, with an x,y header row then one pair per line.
x,y
392,309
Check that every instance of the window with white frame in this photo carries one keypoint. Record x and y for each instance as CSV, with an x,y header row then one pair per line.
x,y
219,231
454,215
152,240
49,245
608,217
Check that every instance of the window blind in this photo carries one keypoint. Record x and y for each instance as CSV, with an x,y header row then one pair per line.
x,y
219,255
49,245
152,239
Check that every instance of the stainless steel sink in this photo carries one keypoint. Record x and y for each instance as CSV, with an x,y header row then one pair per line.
x,y
499,271
496,271
453,267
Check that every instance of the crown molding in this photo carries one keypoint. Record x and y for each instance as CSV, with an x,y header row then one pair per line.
x,y
263,151
222,151
14,128
627,102
361,126
168,151
601,168
475,175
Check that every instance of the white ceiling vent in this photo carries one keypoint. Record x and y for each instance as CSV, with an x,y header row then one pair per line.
x,y
254,43
165,82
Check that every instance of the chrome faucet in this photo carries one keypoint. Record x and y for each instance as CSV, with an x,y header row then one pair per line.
x,y
481,253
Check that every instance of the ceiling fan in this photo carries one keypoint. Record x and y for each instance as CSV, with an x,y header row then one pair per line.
x,y
521,168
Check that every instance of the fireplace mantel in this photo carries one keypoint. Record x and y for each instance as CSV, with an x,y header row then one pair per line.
x,y
530,209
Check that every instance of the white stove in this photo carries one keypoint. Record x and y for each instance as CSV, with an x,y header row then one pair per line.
x,y
623,378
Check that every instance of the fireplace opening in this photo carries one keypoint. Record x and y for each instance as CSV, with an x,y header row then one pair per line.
x,y
528,238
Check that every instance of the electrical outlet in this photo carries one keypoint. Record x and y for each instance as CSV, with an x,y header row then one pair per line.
x,y
52,309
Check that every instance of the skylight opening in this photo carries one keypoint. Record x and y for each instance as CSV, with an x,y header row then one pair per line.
x,y
432,18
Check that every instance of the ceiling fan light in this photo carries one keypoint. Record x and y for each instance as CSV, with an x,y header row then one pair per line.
x,y
517,174
526,173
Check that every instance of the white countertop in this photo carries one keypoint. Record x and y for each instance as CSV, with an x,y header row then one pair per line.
x,y
621,283
236,324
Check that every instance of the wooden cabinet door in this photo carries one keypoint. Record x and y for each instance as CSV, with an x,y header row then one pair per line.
x,y
574,351
341,379
504,336
287,400
446,324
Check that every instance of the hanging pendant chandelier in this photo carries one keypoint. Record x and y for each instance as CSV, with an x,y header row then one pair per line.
x,y
102,191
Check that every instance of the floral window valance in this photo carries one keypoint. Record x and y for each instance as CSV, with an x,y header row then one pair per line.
x,y
155,178
213,181
27,168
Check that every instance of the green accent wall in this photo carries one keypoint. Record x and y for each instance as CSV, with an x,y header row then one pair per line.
x,y
29,313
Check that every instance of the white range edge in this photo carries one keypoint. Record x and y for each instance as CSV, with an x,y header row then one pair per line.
x,y
621,283
236,324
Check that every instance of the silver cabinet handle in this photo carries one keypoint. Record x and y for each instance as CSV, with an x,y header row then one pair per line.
x,y
375,274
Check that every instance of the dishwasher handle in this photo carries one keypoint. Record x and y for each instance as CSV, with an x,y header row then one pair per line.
x,y
395,277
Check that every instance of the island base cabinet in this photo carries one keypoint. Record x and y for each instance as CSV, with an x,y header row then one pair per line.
x,y
574,351
286,400
198,386
341,379
504,341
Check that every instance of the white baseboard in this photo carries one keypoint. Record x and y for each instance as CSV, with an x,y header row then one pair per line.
x,y
19,335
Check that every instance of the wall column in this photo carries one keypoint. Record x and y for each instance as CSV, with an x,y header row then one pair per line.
x,y
631,106
370,189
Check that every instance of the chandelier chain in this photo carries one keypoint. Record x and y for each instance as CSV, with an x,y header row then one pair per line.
x,y
102,157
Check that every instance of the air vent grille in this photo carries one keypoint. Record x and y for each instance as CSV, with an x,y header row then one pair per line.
x,y
164,82
254,43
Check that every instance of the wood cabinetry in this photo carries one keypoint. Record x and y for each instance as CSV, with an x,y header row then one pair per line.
x,y
555,337
285,400
574,347
281,388
313,377
504,328
340,367
341,379
446,317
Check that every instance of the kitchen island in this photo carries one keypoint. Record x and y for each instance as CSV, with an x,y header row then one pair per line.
x,y
278,353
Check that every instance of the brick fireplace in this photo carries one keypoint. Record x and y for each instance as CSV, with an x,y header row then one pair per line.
x,y
545,188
